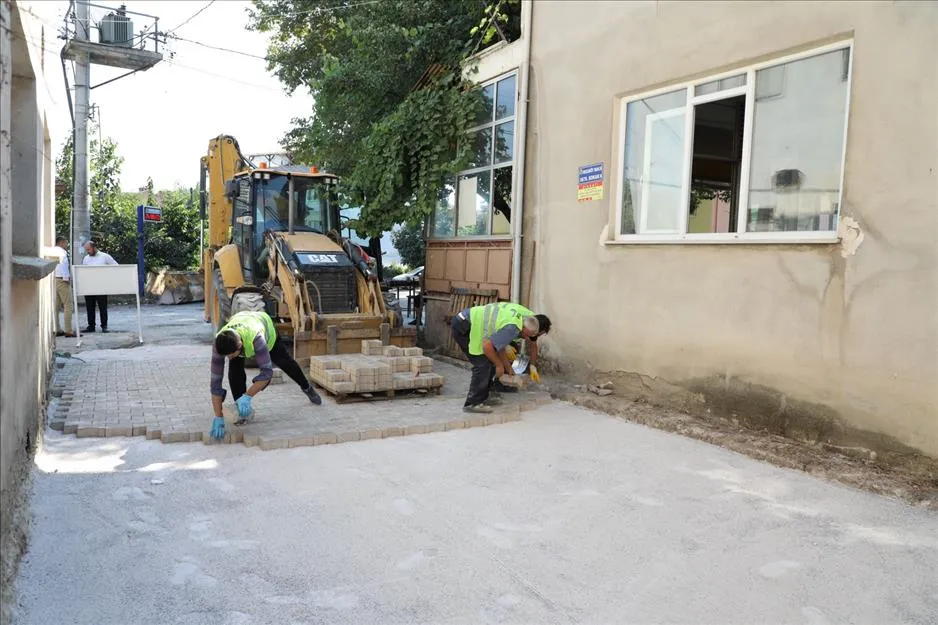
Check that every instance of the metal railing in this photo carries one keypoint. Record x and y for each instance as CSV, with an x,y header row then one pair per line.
x,y
142,30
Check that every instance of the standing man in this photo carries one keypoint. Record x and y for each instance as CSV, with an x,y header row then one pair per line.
x,y
483,333
249,334
63,289
94,256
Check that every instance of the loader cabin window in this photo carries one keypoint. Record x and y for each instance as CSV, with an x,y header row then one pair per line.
x,y
751,155
478,201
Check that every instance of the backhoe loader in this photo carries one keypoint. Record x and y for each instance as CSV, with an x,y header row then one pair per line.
x,y
275,244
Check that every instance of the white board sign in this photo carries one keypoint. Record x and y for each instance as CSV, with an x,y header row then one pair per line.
x,y
106,280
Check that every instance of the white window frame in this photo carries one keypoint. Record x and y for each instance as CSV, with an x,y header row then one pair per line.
x,y
491,167
740,236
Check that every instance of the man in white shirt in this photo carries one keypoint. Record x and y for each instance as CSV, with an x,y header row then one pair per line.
x,y
63,289
94,256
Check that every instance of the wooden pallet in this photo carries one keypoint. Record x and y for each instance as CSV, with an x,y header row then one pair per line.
x,y
352,398
459,300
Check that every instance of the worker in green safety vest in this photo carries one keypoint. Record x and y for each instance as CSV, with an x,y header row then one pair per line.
x,y
483,333
250,334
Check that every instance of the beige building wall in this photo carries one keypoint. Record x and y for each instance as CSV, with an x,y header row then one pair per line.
x,y
27,230
854,333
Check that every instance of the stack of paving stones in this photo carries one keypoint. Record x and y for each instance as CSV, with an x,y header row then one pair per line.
x,y
379,368
167,398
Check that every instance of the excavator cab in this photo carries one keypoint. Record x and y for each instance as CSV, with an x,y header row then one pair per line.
x,y
275,244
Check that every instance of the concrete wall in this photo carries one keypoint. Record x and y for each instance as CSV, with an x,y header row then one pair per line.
x,y
26,289
855,336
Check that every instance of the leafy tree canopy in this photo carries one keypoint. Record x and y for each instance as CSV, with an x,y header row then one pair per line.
x,y
391,103
410,244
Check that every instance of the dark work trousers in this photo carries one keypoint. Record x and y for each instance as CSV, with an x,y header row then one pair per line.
x,y
279,356
91,301
483,371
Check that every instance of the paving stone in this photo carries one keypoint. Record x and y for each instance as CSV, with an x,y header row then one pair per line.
x,y
118,430
475,422
272,443
165,398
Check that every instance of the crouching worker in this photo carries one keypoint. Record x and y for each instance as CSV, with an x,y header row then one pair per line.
x,y
250,334
483,333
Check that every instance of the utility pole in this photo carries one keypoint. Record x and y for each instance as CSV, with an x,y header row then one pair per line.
x,y
81,207
116,46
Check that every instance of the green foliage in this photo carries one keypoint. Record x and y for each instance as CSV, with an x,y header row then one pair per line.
x,y
392,144
410,244
390,271
172,243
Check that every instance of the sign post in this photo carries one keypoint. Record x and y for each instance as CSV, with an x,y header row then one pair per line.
x,y
144,214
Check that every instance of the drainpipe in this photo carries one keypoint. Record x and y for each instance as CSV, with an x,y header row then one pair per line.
x,y
517,194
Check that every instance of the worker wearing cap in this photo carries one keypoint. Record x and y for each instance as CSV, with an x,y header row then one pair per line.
x,y
250,334
483,333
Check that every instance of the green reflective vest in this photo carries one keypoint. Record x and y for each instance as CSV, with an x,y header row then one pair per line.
x,y
484,321
250,324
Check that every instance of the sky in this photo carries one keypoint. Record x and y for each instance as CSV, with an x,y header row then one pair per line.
x,y
162,119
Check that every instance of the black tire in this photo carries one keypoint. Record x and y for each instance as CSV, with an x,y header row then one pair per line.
x,y
224,302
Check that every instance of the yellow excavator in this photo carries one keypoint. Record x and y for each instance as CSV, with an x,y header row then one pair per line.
x,y
275,244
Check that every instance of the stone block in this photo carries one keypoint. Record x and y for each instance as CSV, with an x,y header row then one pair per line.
x,y
267,444
400,364
393,431
175,436
118,430
326,438
154,432
494,419
511,415
404,381
515,381
433,380
335,376
458,424
543,399
528,405
372,434
413,351
373,347
393,350
251,440
410,430
348,437
195,437
344,388
139,430
421,364
89,431
301,441
232,435
476,422
435,427
70,428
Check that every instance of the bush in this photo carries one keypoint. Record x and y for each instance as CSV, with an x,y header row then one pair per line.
x,y
390,271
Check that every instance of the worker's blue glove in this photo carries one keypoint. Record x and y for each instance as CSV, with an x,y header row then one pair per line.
x,y
244,406
218,428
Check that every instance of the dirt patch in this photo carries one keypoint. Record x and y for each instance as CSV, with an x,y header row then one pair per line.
x,y
762,425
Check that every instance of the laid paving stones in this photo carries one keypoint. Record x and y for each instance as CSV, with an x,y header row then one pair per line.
x,y
166,397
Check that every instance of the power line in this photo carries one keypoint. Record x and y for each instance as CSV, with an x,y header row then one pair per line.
x,y
319,10
191,17
205,45
228,78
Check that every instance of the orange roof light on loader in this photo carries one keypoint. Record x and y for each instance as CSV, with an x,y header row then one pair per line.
x,y
314,170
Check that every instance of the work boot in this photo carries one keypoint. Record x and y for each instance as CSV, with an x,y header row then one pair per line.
x,y
477,409
104,329
88,330
502,388
313,395
494,400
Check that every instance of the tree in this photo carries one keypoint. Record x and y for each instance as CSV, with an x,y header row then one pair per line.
x,y
173,243
410,244
391,103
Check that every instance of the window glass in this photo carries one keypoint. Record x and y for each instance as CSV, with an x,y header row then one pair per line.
x,y
797,147
484,113
474,201
444,222
654,164
504,142
505,103
482,148
720,85
501,201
